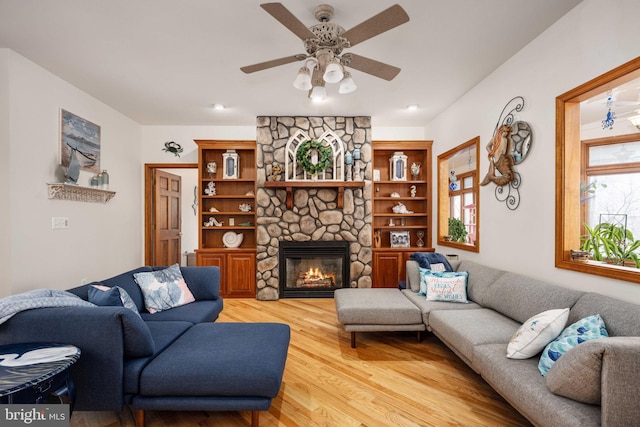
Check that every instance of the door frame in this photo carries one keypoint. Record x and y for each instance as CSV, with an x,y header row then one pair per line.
x,y
149,169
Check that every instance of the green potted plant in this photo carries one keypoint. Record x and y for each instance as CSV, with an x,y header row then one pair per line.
x,y
457,230
611,243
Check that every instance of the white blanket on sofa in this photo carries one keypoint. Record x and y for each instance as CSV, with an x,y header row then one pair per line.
x,y
39,298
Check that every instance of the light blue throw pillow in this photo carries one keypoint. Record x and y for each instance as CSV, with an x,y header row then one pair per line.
x,y
589,328
447,286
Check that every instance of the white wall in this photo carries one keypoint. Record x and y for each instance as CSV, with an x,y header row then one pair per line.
x,y
98,242
6,270
590,40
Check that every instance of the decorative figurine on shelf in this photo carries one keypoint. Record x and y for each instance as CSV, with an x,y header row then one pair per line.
x,y
231,166
413,191
415,171
400,208
377,239
212,209
420,242
212,167
356,171
231,239
245,207
394,194
213,222
276,172
211,189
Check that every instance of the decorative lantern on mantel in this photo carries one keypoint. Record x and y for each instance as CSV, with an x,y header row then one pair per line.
x,y
398,166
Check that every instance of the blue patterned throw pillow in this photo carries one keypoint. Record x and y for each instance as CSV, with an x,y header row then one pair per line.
x,y
589,328
163,289
443,285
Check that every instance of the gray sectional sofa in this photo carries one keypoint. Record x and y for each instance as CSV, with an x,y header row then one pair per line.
x,y
500,302
177,359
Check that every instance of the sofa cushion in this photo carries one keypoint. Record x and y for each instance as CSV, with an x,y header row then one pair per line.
x,y
126,282
521,297
138,341
203,281
577,374
520,383
220,359
426,307
195,312
466,329
536,332
444,286
163,334
480,279
115,296
164,289
589,328
622,318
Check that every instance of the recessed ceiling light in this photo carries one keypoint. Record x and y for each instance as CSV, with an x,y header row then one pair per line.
x,y
412,107
218,107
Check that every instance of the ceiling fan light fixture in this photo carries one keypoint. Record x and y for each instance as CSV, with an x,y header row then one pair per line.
x,y
303,79
318,93
347,85
333,73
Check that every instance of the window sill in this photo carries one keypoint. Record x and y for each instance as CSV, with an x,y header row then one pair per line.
x,y
597,268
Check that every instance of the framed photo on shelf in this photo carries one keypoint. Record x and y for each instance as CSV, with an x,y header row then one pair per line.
x,y
399,239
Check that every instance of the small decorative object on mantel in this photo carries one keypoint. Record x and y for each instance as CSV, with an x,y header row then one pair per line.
x,y
398,166
211,189
231,239
245,207
509,146
212,168
276,172
173,147
230,161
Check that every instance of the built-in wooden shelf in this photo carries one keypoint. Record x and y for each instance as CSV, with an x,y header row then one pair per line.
x,y
290,186
78,193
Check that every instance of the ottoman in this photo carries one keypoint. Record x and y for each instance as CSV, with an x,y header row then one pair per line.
x,y
375,310
216,367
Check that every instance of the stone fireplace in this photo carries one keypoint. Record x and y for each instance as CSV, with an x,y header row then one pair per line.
x,y
315,215
313,269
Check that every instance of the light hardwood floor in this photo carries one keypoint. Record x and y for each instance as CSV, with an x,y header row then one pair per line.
x,y
388,380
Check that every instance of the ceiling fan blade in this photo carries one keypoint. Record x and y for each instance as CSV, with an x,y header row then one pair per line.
x,y
269,64
373,67
378,24
286,18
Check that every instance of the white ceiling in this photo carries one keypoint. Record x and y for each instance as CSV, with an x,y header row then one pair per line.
x,y
165,62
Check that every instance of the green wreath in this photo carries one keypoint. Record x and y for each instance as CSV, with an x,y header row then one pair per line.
x,y
303,157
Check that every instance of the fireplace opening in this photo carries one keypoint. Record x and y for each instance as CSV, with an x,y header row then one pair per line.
x,y
313,269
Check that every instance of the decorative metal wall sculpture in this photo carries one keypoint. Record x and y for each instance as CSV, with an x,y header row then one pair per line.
x,y
508,147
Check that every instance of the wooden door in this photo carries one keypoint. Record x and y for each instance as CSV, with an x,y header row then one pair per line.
x,y
167,228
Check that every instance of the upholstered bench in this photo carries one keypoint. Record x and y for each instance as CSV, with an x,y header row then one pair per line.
x,y
216,367
376,310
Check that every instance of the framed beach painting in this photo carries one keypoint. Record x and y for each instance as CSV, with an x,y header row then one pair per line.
x,y
80,139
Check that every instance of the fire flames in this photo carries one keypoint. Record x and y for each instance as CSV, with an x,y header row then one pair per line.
x,y
314,277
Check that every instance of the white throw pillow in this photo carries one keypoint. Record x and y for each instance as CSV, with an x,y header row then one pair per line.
x,y
536,333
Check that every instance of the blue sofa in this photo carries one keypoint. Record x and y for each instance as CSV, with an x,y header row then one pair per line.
x,y
177,359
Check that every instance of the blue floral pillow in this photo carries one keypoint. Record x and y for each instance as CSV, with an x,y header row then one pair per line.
x,y
589,328
163,289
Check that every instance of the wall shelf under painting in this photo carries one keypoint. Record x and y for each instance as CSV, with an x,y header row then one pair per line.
x,y
77,193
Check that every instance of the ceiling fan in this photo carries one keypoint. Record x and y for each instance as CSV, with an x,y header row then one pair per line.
x,y
324,44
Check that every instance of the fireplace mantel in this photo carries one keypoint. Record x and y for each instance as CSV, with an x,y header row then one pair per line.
x,y
291,185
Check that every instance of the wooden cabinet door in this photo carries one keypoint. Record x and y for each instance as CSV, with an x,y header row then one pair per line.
x,y
387,269
240,277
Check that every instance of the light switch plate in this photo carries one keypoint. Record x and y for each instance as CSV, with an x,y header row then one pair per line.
x,y
59,222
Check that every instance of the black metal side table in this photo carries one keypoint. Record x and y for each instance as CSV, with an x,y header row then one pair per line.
x,y
37,373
